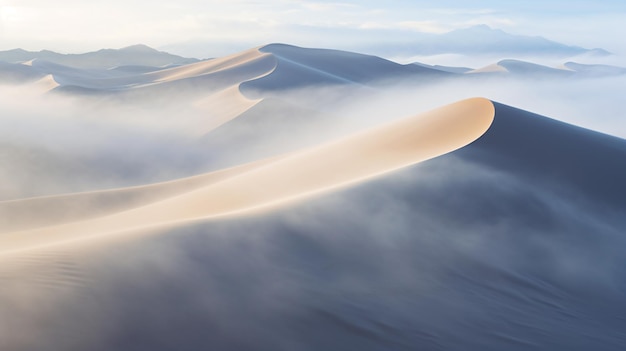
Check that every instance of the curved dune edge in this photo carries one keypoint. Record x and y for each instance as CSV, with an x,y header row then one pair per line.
x,y
46,84
223,107
293,177
220,74
248,57
17,215
229,102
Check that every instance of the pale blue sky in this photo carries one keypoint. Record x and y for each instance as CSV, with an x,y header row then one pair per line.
x,y
217,26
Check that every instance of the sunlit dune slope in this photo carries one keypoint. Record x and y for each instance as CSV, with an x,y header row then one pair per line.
x,y
45,84
345,161
41,211
209,75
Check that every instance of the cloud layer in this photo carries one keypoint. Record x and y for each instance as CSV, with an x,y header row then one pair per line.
x,y
222,26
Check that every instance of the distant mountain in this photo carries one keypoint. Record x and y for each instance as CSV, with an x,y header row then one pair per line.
x,y
482,40
140,55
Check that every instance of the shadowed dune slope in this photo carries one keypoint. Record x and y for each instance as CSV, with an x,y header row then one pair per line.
x,y
567,157
274,67
299,67
11,73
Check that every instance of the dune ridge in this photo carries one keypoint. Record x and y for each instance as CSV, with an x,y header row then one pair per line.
x,y
17,214
212,86
266,68
263,185
216,74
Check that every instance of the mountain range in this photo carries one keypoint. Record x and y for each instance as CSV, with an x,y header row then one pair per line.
x,y
476,41
482,40
105,58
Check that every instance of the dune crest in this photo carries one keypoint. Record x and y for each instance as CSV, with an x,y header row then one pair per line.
x,y
51,210
296,176
46,84
254,60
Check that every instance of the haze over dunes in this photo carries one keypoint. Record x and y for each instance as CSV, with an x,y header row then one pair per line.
x,y
290,198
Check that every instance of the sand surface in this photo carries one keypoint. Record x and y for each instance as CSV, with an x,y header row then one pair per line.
x,y
255,186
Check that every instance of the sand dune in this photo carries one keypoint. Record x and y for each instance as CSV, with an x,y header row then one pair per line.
x,y
508,236
96,79
247,58
46,84
301,174
191,80
298,67
595,70
521,69
268,68
234,69
41,211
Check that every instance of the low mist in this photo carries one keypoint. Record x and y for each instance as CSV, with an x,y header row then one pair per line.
x,y
111,141
446,254
455,253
